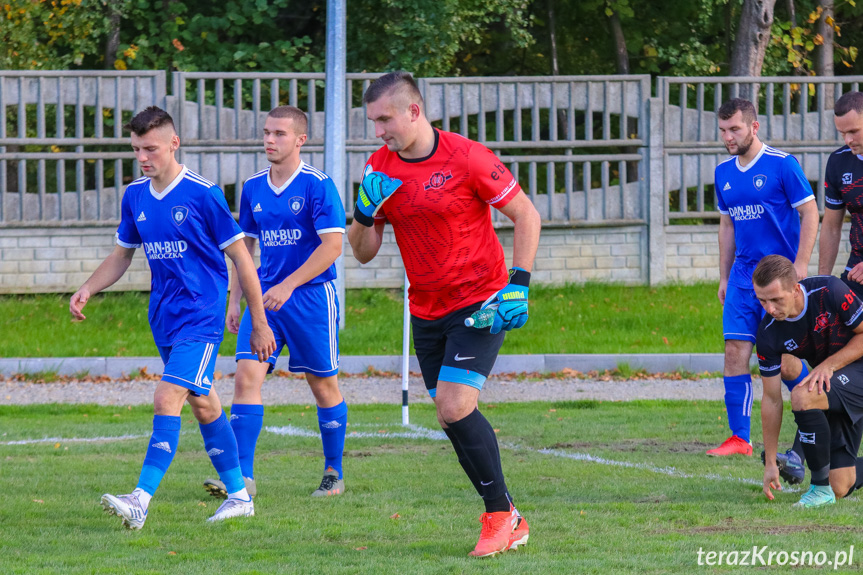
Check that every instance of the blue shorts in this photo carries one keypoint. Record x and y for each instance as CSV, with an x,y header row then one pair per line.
x,y
741,315
190,364
308,324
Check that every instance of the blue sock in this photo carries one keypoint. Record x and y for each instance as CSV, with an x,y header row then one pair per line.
x,y
790,384
160,452
332,422
247,421
738,401
221,446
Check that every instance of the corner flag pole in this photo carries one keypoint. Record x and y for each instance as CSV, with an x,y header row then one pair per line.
x,y
406,330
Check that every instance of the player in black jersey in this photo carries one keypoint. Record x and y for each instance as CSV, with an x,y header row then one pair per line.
x,y
843,180
819,320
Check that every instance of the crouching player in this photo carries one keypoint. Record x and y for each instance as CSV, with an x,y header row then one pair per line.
x,y
184,224
296,213
819,320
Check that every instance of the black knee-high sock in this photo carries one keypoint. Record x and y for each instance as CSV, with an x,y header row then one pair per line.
x,y
479,444
798,448
814,433
463,460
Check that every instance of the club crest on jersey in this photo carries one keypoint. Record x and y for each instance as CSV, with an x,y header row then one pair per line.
x,y
178,214
822,321
846,178
759,181
296,204
437,180
790,345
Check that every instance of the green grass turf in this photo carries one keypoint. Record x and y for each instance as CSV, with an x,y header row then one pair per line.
x,y
592,318
585,517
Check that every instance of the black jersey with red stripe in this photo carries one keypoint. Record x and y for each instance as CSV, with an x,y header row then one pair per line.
x,y
830,314
843,182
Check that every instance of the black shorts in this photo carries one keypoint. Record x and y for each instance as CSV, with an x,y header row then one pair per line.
x,y
845,415
448,350
855,287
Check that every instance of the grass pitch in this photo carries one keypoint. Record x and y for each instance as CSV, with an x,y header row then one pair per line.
x,y
606,488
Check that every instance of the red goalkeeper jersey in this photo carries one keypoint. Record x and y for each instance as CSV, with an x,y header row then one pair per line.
x,y
442,222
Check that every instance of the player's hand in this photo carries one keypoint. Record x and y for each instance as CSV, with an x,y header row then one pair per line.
x,y
802,271
771,479
232,318
262,342
856,273
819,378
77,302
511,302
276,296
723,288
375,189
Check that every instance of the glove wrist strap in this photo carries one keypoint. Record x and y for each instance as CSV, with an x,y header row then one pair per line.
x,y
367,221
519,277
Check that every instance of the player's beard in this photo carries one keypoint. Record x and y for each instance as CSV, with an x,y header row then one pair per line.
x,y
743,148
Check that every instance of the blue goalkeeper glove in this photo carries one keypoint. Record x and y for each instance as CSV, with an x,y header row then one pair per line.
x,y
511,302
375,189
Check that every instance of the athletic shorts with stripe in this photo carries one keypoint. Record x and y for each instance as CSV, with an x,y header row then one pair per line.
x,y
845,414
448,350
308,323
190,363
741,314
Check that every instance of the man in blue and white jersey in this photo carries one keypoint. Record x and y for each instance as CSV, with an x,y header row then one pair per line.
x,y
762,194
185,227
297,215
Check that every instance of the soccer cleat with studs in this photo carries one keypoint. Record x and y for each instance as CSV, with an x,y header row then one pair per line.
x,y
330,484
233,507
520,534
817,496
734,445
497,528
790,466
217,489
127,508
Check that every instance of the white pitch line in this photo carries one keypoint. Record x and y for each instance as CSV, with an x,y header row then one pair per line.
x,y
103,439
418,433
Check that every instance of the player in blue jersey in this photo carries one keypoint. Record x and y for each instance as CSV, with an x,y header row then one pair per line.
x,y
185,227
296,213
762,194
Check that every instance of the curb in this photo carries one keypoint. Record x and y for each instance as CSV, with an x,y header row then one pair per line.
x,y
120,366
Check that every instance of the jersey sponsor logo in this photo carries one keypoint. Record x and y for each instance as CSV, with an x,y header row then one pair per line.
x,y
142,217
791,345
165,250
849,300
257,208
843,379
497,172
759,181
178,214
807,437
847,178
278,238
748,212
437,180
215,451
727,187
163,445
296,204
822,321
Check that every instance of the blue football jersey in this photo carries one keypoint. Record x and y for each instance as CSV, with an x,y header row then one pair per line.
x,y
761,199
288,220
183,231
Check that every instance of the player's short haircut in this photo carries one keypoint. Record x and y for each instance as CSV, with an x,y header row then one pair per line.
x,y
149,119
394,82
772,268
848,102
301,121
735,105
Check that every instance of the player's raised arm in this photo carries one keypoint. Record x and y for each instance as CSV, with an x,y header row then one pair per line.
x,y
262,342
107,274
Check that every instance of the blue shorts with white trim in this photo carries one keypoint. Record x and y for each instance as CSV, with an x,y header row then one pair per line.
x,y
308,323
190,364
741,314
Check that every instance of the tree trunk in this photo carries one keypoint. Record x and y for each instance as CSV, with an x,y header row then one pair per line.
x,y
824,52
552,36
750,43
113,40
621,57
